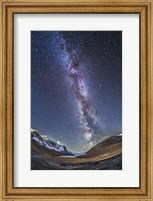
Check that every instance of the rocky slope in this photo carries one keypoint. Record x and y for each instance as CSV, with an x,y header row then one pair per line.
x,y
46,154
42,143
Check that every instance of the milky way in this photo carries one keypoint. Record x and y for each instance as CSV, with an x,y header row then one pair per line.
x,y
76,86
86,112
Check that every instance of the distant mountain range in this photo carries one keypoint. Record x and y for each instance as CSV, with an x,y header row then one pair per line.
x,y
42,142
47,154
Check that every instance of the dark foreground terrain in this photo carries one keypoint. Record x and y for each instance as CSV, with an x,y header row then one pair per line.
x,y
48,155
113,163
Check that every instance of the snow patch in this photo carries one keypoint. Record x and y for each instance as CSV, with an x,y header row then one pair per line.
x,y
43,140
120,134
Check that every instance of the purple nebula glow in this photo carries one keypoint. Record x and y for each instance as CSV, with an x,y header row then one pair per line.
x,y
86,113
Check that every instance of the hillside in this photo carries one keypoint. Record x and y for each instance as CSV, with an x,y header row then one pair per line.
x,y
46,154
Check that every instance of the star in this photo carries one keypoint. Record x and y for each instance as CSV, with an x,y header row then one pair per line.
x,y
76,85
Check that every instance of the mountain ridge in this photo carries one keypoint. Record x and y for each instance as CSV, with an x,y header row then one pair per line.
x,y
47,154
45,142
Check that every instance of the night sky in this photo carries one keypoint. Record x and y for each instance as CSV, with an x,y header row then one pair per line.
x,y
76,86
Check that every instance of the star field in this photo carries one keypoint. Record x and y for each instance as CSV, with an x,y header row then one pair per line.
x,y
76,86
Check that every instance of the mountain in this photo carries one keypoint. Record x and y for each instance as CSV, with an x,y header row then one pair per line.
x,y
109,146
42,143
49,155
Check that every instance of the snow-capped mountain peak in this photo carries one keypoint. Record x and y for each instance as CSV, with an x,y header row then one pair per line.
x,y
43,140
